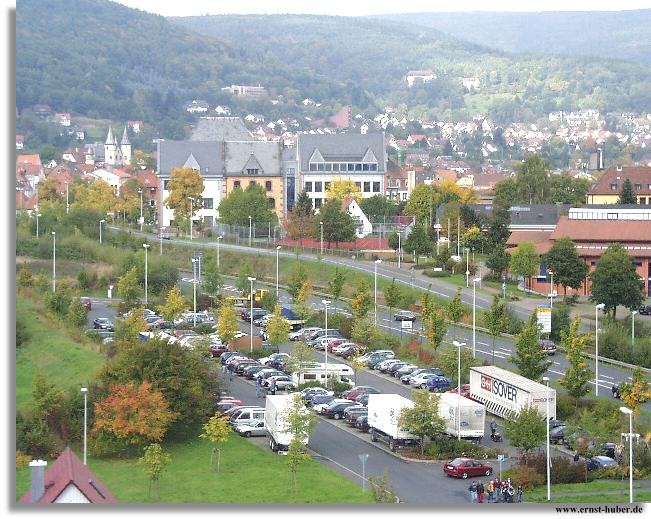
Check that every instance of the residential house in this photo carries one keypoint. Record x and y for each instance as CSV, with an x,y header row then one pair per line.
x,y
222,110
64,119
254,92
470,83
151,184
362,223
414,76
417,158
356,157
135,126
418,140
20,140
397,182
67,481
196,106
609,186
114,177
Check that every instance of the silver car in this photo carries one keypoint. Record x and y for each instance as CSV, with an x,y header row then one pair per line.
x,y
255,428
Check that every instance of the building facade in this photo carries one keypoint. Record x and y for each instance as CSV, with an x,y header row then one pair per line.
x,y
609,186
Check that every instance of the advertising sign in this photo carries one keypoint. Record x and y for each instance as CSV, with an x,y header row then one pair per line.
x,y
544,313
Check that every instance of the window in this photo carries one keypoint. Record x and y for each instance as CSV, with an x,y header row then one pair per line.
x,y
207,203
312,167
613,187
165,183
237,185
318,187
272,202
373,167
638,187
320,167
351,167
611,216
152,202
376,187
252,171
643,200
365,167
326,186
267,185
367,187
308,187
335,167
358,167
291,172
358,185
252,182
328,167
318,202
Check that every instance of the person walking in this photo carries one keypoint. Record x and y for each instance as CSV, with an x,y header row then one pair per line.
x,y
490,490
272,387
480,492
257,387
519,492
473,492
493,426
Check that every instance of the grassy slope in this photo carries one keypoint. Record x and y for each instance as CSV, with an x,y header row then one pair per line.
x,y
66,362
249,474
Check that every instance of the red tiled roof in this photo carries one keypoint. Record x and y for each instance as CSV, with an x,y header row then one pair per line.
x,y
636,174
23,202
603,230
541,240
28,159
447,174
69,470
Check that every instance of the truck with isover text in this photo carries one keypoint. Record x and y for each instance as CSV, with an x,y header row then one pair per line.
x,y
505,393
383,413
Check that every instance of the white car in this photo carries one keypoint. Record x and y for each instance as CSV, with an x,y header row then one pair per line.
x,y
340,347
238,335
385,364
302,333
421,380
320,407
282,382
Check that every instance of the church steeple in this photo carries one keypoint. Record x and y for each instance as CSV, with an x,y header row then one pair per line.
x,y
110,138
125,138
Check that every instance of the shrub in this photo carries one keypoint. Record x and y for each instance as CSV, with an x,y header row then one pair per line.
x,y
22,459
563,469
435,274
446,447
565,406
523,475
617,472
34,437
204,328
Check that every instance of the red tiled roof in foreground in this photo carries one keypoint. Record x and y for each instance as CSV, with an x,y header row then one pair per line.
x,y
603,230
541,240
69,470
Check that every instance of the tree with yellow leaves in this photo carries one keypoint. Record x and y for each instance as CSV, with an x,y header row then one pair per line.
x,y
174,306
343,188
216,430
184,183
636,392
98,196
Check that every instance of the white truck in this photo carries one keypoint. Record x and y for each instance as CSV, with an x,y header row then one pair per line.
x,y
505,393
383,412
275,420
472,414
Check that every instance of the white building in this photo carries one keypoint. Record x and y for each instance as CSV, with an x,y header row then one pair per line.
x,y
419,75
117,154
362,222
114,177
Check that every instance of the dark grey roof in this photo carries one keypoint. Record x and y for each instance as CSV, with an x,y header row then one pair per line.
x,y
537,214
176,154
220,129
239,154
289,154
341,147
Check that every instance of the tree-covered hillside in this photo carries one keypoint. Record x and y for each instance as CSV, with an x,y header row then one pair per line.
x,y
621,34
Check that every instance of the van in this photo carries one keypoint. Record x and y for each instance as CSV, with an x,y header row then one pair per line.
x,y
246,415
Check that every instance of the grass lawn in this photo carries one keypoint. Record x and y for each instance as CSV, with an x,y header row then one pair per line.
x,y
248,474
65,361
592,487
639,497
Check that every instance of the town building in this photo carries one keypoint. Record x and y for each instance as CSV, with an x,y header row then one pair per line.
x,y
414,76
67,481
363,225
609,186
117,154
114,177
220,129
324,158
255,92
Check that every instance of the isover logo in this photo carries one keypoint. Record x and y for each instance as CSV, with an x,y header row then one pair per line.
x,y
499,388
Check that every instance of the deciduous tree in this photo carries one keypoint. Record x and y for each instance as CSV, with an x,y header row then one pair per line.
x,y
154,461
525,260
393,295
127,329
184,183
418,241
436,327
526,431
577,375
299,357
301,303
498,261
129,289
278,328
569,270
77,314
342,189
174,306
336,284
236,208
338,225
637,392
361,302
530,359
212,279
423,418
496,319
216,430
299,423
296,280
227,325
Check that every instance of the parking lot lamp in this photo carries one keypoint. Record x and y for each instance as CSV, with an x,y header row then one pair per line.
x,y
84,390
194,290
326,303
633,312
627,411
219,238
474,313
251,280
146,246
458,345
549,488
598,307
54,261
377,261
277,250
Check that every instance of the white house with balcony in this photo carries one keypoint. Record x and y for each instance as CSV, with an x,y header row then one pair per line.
x,y
362,223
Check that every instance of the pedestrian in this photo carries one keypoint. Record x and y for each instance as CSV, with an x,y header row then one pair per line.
x,y
503,491
473,492
491,490
480,492
519,492
257,387
272,387
509,492
493,425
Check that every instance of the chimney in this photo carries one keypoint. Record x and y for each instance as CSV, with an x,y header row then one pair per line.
x,y
619,167
37,486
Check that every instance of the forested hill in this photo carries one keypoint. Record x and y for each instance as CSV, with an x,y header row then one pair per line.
x,y
620,34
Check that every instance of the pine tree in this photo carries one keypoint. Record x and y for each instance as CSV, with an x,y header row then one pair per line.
x,y
577,374
303,205
531,360
626,196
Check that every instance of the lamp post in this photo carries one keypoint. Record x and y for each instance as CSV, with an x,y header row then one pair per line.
x,y
146,246
67,199
161,240
629,412
194,292
459,345
37,216
191,211
326,303
54,261
551,290
633,312
598,307
277,251
100,230
376,262
399,249
321,224
141,218
251,314
84,390
219,238
549,488
467,250
250,227
474,313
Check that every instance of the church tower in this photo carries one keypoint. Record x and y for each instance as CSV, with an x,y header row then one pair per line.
x,y
125,146
111,150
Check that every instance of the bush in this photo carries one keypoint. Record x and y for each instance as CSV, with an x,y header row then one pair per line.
x,y
618,472
523,475
204,328
446,448
34,437
565,406
22,335
435,274
563,469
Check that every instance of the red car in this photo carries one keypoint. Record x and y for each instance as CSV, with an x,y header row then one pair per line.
x,y
466,467
465,391
217,350
548,346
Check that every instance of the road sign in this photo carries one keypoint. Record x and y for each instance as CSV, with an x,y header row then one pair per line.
x,y
500,457
544,313
406,325
503,286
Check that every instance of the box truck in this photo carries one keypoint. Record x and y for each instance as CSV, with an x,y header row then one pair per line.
x,y
472,414
383,412
504,393
277,408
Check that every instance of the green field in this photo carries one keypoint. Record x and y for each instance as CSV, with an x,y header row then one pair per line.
x,y
65,362
248,474
593,487
639,497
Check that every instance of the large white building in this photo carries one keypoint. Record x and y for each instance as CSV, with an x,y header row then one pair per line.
x,y
321,159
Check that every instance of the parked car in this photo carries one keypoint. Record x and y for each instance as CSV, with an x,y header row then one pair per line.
x,y
645,310
229,354
335,409
406,379
362,399
438,384
264,374
352,351
599,462
319,401
395,367
217,349
548,346
87,302
250,371
351,414
420,380
241,366
354,392
302,333
362,423
375,359
103,323
466,467
254,428
309,393
405,315
282,382
557,434
405,370
465,391
385,364
226,403
273,356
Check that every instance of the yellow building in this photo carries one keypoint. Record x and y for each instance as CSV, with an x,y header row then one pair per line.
x,y
609,186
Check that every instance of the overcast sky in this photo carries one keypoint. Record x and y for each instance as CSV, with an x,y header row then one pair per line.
x,y
367,7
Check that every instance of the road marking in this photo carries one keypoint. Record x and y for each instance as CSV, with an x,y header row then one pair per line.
x,y
504,349
483,343
557,363
606,376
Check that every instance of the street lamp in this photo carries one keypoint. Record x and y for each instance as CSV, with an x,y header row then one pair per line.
x,y
191,210
633,312
474,313
459,345
277,249
67,199
375,285
467,250
321,224
194,291
100,230
549,488
326,303
250,227
161,240
141,218
251,314
219,238
629,412
399,248
84,390
551,290
146,246
598,307
37,216
54,261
